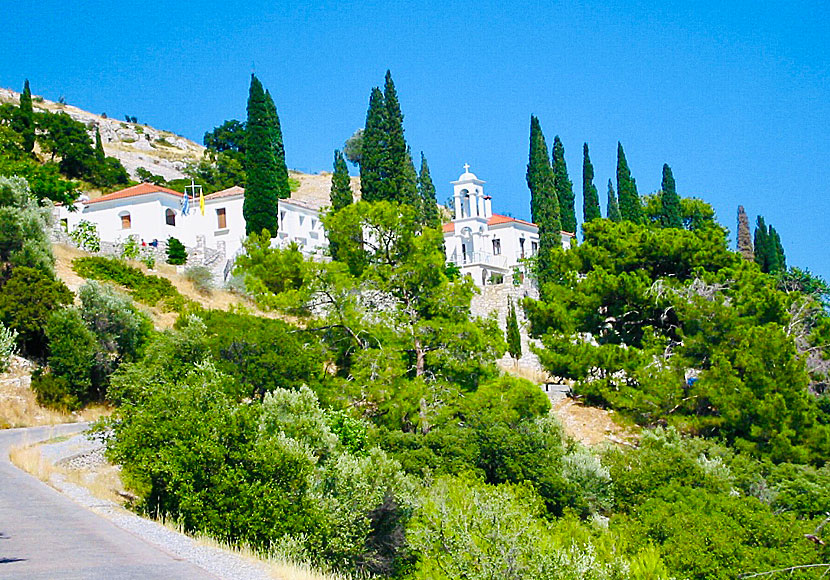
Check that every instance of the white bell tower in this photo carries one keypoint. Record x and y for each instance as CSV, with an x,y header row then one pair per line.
x,y
469,199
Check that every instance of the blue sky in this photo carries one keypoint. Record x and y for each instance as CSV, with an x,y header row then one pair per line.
x,y
735,96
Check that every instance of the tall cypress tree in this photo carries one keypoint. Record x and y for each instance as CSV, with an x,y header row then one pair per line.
x,y
430,217
372,163
341,190
564,187
777,260
27,118
544,204
670,216
590,196
744,235
278,148
514,337
262,192
630,207
99,147
612,210
402,186
762,246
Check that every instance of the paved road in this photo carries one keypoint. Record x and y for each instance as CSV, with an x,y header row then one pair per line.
x,y
45,535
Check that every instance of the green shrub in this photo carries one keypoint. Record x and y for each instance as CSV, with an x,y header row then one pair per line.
x,y
86,236
176,252
53,392
73,351
144,288
201,277
130,250
24,238
27,299
8,346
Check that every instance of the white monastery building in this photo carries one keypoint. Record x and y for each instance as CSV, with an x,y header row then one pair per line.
x,y
484,245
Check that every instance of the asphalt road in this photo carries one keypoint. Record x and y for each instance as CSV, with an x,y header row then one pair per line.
x,y
45,535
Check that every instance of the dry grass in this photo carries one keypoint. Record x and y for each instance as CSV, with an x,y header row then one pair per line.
x,y
533,375
19,407
29,459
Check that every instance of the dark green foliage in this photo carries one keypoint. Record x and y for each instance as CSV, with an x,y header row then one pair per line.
x,y
269,269
373,170
68,143
278,147
26,119
564,188
514,338
544,203
769,252
72,352
630,206
99,146
387,172
612,211
27,299
144,288
777,251
590,196
176,252
229,136
263,188
671,216
341,189
430,216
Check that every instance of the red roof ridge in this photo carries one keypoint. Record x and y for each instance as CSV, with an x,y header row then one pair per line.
x,y
134,191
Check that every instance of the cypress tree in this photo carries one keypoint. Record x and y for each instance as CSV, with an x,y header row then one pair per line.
x,y
612,211
590,196
514,337
777,260
744,235
341,190
564,187
99,147
27,118
671,215
761,244
262,192
372,170
279,149
430,217
544,204
630,207
403,185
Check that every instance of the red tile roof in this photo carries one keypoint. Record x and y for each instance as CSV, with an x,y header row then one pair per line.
x,y
494,220
135,190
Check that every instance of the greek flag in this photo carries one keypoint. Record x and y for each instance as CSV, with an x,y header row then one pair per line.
x,y
186,203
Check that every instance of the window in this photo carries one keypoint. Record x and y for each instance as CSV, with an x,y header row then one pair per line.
x,y
221,219
302,219
170,217
534,248
522,248
496,247
125,221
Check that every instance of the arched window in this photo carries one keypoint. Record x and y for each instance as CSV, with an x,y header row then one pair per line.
x,y
125,220
170,217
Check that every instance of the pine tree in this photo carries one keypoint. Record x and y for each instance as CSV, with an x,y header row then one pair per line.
x,y
341,190
564,187
430,217
372,170
762,244
262,192
514,337
27,118
590,196
176,252
612,210
670,216
544,204
99,147
278,147
744,235
630,207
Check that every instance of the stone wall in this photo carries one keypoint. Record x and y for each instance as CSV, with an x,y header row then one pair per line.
x,y
494,299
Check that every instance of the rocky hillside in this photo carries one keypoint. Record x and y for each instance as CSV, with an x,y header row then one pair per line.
x,y
135,145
